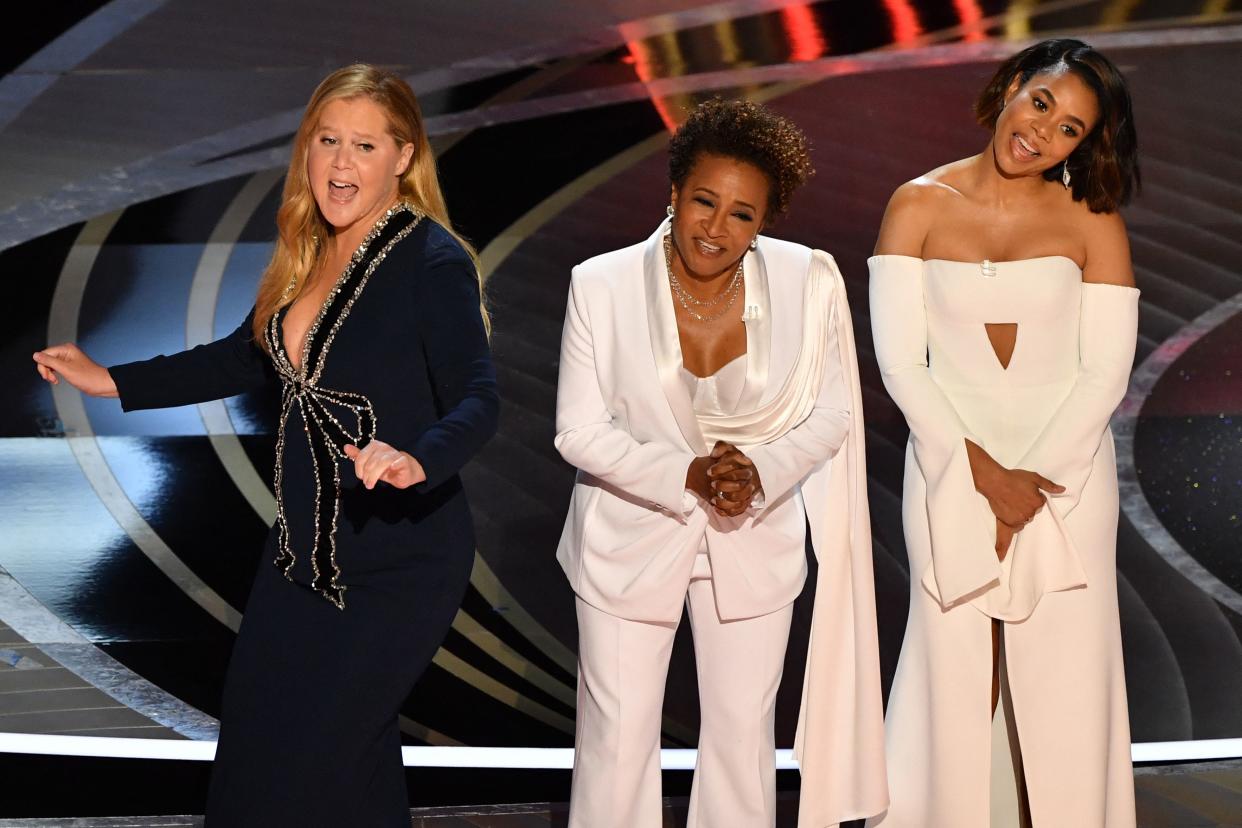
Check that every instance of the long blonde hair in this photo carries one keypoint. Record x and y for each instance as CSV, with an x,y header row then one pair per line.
x,y
299,222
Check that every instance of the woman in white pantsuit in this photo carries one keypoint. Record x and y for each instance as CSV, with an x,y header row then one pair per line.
x,y
1005,318
708,389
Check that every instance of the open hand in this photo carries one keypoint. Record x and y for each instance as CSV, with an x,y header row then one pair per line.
x,y
69,362
381,462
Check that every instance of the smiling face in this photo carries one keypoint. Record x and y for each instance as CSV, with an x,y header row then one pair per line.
x,y
354,164
1043,121
719,209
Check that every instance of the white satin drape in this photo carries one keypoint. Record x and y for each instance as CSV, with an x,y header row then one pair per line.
x,y
840,736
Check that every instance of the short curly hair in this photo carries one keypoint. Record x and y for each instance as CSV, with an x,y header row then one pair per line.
x,y
749,132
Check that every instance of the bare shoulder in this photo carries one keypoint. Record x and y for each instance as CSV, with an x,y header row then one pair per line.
x,y
1108,248
910,213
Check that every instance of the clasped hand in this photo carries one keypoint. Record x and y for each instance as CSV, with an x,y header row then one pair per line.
x,y
381,462
726,478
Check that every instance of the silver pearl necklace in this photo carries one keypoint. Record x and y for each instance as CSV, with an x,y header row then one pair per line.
x,y
686,300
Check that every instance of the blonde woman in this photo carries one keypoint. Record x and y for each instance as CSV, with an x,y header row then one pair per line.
x,y
369,316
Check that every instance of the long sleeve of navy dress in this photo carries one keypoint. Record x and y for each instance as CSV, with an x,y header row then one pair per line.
x,y
366,582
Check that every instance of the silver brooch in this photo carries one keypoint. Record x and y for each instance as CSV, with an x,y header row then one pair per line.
x,y
988,268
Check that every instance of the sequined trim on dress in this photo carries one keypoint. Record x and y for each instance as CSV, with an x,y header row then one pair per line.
x,y
326,435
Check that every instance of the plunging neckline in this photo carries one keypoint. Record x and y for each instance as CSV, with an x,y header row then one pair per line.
x,y
332,418
300,368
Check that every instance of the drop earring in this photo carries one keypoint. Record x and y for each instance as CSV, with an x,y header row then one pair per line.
x,y
671,212
754,243
1065,175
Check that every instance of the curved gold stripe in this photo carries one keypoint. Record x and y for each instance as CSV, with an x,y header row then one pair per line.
x,y
508,239
1018,19
522,89
1213,9
1118,12
484,580
483,577
501,692
63,327
200,329
491,257
204,292
505,655
426,734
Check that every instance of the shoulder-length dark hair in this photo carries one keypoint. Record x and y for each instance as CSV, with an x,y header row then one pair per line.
x,y
1104,168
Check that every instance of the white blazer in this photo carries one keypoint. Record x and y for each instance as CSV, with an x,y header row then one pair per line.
x,y
625,419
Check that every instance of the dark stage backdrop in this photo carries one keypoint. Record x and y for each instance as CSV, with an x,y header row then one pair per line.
x,y
141,532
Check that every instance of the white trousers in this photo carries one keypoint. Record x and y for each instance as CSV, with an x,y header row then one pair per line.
x,y
622,667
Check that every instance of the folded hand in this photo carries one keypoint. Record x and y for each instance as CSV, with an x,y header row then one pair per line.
x,y
733,480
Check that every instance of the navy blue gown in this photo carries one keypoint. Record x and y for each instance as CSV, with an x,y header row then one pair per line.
x,y
357,588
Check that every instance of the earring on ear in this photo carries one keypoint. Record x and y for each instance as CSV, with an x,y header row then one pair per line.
x,y
671,212
1065,175
754,243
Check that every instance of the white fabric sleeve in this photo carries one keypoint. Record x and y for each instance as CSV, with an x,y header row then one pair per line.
x,y
961,524
1043,558
586,435
1108,333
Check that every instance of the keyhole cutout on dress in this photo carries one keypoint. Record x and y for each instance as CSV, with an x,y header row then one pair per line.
x,y
1004,337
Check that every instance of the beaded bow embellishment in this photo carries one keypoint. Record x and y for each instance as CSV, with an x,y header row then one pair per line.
x,y
319,407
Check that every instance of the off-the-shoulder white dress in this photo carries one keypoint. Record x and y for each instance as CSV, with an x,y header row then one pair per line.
x,y
1048,411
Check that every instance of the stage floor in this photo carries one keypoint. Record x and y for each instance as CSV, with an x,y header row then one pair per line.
x,y
1206,795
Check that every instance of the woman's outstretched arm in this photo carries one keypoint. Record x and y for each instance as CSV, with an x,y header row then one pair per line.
x,y
223,368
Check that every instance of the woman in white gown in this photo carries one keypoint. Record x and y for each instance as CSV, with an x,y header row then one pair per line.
x,y
1005,318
